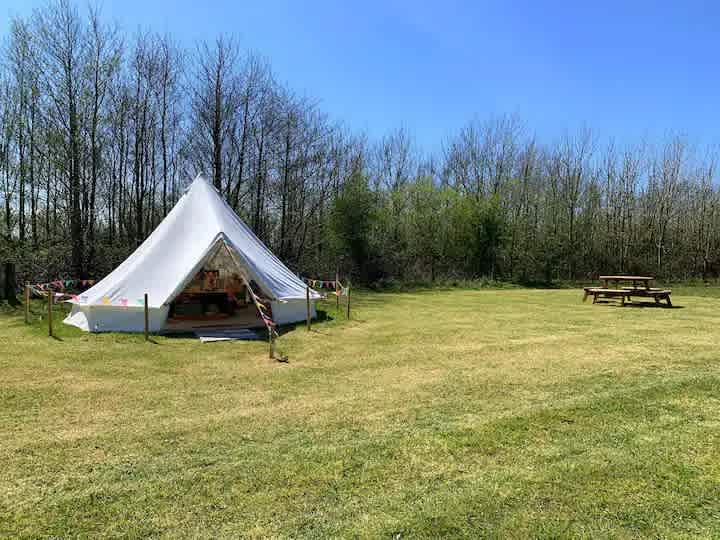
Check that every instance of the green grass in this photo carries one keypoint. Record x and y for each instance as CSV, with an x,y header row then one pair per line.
x,y
457,413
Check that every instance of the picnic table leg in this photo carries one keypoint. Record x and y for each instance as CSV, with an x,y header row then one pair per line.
x,y
667,299
595,295
622,300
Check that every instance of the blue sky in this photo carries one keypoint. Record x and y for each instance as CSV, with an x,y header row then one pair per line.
x,y
629,70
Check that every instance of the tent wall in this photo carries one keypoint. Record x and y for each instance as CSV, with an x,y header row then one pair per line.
x,y
131,319
113,319
291,311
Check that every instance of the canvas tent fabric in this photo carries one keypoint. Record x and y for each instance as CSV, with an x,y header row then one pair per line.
x,y
170,257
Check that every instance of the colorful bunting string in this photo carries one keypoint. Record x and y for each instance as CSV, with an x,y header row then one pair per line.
x,y
335,286
42,289
63,284
42,292
262,309
322,283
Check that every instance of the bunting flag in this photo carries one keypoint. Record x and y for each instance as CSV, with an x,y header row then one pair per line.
x,y
39,292
321,283
63,284
267,320
44,289
262,309
82,299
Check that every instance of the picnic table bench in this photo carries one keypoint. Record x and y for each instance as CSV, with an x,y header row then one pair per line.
x,y
640,288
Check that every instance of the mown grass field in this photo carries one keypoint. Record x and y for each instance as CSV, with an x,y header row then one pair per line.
x,y
458,413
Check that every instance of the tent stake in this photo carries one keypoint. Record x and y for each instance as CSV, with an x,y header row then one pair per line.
x,y
271,341
147,329
307,306
27,303
50,313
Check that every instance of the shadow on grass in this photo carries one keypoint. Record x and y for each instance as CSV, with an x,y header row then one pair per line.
x,y
652,305
322,316
639,305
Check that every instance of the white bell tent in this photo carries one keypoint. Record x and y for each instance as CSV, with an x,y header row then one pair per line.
x,y
171,257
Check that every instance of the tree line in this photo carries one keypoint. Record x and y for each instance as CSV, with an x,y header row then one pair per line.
x,y
101,132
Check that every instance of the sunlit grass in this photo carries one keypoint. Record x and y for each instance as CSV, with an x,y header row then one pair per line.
x,y
433,414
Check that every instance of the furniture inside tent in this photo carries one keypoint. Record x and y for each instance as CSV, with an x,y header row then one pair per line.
x,y
199,268
218,296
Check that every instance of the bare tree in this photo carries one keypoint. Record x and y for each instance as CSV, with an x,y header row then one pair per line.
x,y
215,97
62,41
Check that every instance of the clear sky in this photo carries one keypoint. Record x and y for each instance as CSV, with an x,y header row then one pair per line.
x,y
627,69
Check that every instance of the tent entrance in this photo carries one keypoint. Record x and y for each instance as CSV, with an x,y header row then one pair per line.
x,y
216,297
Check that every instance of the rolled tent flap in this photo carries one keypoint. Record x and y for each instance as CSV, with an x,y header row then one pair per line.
x,y
162,265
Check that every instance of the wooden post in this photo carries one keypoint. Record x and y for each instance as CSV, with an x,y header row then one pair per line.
x,y
348,301
271,341
50,313
337,294
147,319
27,303
307,306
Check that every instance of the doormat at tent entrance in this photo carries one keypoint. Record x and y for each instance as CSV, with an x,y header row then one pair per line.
x,y
208,335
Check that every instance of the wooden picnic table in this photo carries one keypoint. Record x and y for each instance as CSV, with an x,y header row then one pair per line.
x,y
623,293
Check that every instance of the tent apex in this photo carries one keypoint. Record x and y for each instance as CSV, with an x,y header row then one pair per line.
x,y
202,179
